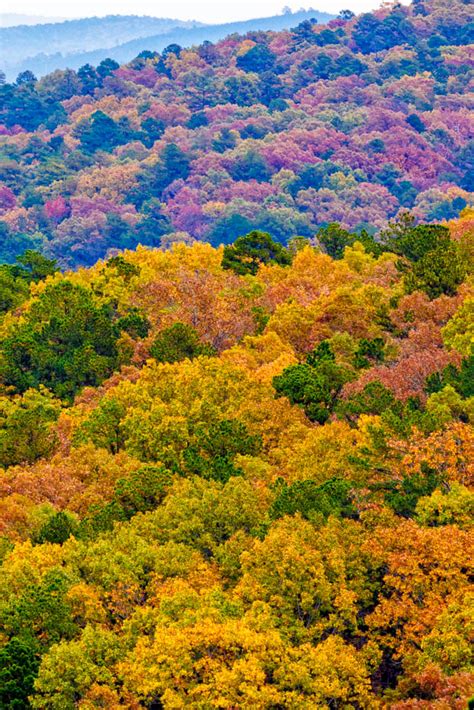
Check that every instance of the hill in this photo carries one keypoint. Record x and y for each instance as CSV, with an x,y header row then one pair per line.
x,y
236,372
48,46
354,122
10,19
186,38
240,477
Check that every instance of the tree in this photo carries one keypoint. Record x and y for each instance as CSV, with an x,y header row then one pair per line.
x,y
459,331
178,342
19,665
153,128
403,496
369,352
304,32
438,272
414,241
313,385
247,253
26,77
104,426
335,239
373,399
250,166
87,664
34,266
415,122
88,77
176,162
26,426
64,341
461,378
313,501
107,67
40,612
58,528
346,15
258,59
13,288
101,132
142,490
213,450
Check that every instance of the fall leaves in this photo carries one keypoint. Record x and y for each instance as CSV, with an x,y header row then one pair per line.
x,y
188,533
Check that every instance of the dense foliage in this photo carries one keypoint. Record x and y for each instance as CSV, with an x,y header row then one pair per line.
x,y
236,471
285,132
240,477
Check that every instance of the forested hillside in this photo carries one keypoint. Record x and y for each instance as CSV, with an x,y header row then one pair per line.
x,y
287,132
240,477
237,373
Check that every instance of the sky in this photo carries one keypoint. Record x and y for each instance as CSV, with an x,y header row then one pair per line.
x,y
205,10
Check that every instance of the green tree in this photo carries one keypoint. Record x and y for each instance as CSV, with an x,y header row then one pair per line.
x,y
58,528
258,59
142,490
315,384
369,352
16,278
214,449
247,253
40,611
412,241
313,500
13,289
178,342
403,496
64,341
135,323
19,664
374,399
437,272
461,379
26,423
335,239
33,266
100,132
104,426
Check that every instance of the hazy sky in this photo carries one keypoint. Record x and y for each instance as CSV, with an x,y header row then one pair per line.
x,y
205,10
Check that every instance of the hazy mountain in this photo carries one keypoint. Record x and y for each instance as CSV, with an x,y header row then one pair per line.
x,y
12,19
72,44
21,44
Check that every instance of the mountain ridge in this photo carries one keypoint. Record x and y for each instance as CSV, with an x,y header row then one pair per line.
x,y
185,33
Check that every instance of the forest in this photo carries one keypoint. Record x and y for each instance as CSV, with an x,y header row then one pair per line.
x,y
237,373
352,122
240,477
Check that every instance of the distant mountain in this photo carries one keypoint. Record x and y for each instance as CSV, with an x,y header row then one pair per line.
x,y
73,44
12,19
28,46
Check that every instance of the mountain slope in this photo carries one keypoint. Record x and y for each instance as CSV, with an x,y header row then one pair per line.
x,y
354,122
